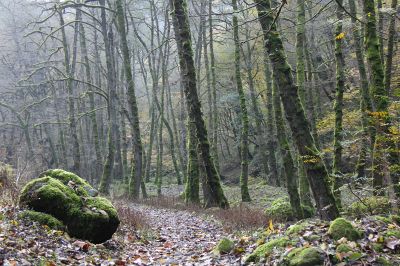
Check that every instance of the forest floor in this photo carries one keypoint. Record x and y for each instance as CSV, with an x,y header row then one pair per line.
x,y
164,231
153,236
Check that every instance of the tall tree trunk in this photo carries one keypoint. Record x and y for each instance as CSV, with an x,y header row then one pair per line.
x,y
137,167
365,102
261,142
215,195
385,150
316,171
70,72
288,162
338,106
214,132
300,78
244,136
390,47
95,130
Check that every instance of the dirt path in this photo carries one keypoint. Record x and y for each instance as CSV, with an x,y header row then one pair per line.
x,y
173,238
183,238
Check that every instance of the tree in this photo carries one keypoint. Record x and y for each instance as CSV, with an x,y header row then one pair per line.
x,y
338,106
137,168
244,135
316,171
214,195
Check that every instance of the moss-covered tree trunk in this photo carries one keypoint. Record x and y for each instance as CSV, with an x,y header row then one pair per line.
x,y
244,136
108,166
300,79
193,168
365,101
291,176
385,154
338,105
137,166
316,171
70,73
216,196
260,137
92,115
390,47
214,133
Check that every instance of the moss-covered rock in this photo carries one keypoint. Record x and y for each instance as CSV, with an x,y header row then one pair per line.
x,y
224,246
296,228
343,248
309,256
67,197
371,205
265,250
342,228
43,219
81,187
281,210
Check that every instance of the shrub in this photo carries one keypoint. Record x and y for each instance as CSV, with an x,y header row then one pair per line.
x,y
369,206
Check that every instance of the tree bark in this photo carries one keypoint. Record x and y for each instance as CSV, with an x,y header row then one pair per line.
x,y
316,171
216,196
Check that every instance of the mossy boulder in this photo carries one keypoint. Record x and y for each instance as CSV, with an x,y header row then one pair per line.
x,y
224,246
281,210
81,187
266,249
340,228
296,228
309,256
43,219
67,197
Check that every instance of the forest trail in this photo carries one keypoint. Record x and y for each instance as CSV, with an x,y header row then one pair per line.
x,y
182,238
168,237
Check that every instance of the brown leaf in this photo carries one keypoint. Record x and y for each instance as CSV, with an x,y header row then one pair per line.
x,y
84,246
168,245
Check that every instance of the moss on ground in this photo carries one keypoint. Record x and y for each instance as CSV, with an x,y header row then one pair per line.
x,y
309,256
43,219
340,228
265,250
224,246
342,248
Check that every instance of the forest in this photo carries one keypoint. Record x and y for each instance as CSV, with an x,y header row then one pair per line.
x,y
199,132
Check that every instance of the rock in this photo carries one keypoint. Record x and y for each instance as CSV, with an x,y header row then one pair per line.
x,y
265,250
340,228
43,219
224,246
79,184
309,256
281,210
67,197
